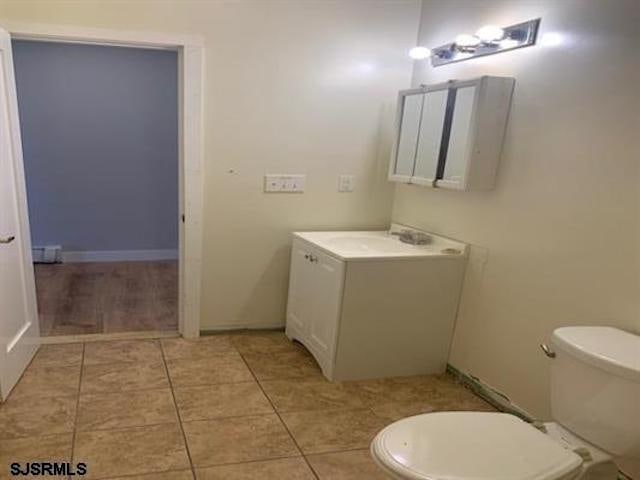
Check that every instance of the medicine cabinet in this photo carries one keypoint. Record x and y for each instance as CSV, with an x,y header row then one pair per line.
x,y
450,135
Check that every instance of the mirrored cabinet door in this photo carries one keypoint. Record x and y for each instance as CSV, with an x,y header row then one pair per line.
x,y
408,141
460,136
430,136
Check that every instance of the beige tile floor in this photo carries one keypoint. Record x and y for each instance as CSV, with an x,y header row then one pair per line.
x,y
232,407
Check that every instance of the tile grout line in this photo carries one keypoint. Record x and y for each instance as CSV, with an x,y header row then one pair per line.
x,y
123,428
175,404
137,475
295,442
263,460
120,392
77,413
333,452
209,419
245,462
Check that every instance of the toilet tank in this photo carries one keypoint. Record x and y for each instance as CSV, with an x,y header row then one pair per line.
x,y
595,387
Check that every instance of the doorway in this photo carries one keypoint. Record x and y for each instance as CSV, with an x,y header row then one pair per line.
x,y
190,51
100,145
19,324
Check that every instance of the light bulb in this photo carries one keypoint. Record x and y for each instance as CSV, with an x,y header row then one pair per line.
x,y
419,53
466,40
509,43
490,33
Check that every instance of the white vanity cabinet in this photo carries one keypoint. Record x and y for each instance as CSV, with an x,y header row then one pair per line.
x,y
315,292
450,135
368,306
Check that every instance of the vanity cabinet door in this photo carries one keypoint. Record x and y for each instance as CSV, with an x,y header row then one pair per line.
x,y
328,278
315,300
430,136
301,289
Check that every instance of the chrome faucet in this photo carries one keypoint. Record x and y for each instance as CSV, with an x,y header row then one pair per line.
x,y
411,237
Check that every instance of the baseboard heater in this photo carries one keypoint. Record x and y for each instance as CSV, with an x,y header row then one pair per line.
x,y
47,254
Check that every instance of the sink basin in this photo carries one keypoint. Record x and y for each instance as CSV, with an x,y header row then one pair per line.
x,y
379,245
369,244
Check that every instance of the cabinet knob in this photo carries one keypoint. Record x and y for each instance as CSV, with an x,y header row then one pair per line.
x,y
306,256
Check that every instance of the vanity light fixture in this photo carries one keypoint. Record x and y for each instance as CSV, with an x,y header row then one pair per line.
x,y
487,40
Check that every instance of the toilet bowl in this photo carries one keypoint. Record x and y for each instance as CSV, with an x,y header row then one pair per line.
x,y
485,446
595,402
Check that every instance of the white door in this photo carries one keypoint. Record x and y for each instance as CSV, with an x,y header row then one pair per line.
x,y
19,332
328,279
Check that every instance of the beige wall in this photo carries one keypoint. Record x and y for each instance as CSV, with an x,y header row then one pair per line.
x,y
309,87
291,87
556,242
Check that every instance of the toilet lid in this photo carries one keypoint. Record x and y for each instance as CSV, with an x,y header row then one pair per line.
x,y
471,446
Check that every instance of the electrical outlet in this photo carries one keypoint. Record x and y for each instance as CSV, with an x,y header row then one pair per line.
x,y
346,183
284,183
293,183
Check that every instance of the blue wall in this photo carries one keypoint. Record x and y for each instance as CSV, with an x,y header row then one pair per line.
x,y
100,138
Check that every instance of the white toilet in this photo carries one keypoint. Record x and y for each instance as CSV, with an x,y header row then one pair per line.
x,y
595,400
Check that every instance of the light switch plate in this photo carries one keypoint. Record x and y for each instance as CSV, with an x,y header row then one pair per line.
x,y
272,183
278,183
346,183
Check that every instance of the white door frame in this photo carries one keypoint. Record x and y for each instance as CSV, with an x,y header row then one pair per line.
x,y
190,50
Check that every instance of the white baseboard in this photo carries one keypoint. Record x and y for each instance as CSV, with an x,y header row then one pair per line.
x,y
119,256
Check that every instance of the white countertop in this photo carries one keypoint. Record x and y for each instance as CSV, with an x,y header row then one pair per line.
x,y
369,245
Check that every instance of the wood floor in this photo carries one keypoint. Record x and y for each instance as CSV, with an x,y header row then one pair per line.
x,y
107,297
